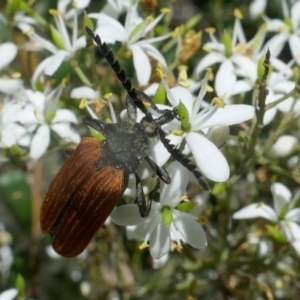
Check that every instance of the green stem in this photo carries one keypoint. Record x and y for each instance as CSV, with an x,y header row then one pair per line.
x,y
80,74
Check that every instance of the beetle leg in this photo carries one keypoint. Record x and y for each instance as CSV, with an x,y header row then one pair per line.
x,y
146,99
69,151
183,160
140,200
131,108
161,172
94,123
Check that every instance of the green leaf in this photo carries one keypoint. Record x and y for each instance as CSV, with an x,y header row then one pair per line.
x,y
50,116
276,234
219,188
192,22
184,117
21,286
16,194
57,38
87,21
186,206
15,150
226,40
140,27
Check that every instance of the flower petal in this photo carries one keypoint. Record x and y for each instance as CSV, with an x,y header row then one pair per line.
x,y
225,79
83,92
8,52
284,146
109,29
55,62
160,241
191,230
229,115
293,215
209,60
64,115
281,196
40,142
170,194
291,230
208,157
294,42
66,132
9,86
127,215
39,70
79,44
141,64
256,210
153,52
9,294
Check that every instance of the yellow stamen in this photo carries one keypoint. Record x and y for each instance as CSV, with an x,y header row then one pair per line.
x,y
218,102
202,220
54,12
65,80
143,245
16,75
107,96
210,29
83,103
238,14
177,132
160,73
183,74
179,248
175,32
208,88
184,84
165,10
29,31
260,204
185,197
183,67
149,18
206,48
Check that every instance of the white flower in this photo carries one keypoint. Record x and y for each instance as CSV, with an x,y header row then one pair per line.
x,y
283,212
165,224
257,7
88,96
64,49
284,146
40,116
208,157
115,8
231,55
279,85
131,34
8,52
10,132
288,31
9,294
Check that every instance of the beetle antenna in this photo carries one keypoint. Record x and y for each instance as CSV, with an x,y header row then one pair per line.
x,y
120,72
182,159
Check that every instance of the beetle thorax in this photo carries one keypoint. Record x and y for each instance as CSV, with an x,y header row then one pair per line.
x,y
128,143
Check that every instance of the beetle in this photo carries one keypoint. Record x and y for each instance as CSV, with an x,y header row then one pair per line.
x,y
91,182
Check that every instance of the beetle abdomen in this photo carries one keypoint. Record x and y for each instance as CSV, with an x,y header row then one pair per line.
x,y
80,198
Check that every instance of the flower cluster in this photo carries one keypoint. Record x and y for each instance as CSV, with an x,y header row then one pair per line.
x,y
235,120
